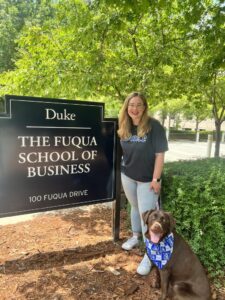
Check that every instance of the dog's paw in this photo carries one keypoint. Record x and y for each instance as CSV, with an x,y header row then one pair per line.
x,y
155,283
154,278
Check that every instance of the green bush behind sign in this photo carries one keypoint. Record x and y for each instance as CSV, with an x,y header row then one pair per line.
x,y
194,191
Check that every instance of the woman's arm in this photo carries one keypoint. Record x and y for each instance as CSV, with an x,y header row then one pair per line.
x,y
159,163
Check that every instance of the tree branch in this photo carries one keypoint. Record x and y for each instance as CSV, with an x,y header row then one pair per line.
x,y
132,33
222,116
135,46
119,92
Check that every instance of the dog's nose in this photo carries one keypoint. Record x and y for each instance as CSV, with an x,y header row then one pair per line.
x,y
156,227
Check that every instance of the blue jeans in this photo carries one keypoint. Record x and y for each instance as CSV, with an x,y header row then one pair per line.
x,y
141,198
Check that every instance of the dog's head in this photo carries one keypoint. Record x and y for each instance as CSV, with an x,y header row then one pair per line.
x,y
159,224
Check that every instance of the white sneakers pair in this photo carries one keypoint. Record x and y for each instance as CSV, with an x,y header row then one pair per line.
x,y
145,265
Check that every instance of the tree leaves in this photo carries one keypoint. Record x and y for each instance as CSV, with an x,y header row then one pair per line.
x,y
105,49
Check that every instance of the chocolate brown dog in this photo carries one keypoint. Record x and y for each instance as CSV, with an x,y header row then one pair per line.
x,y
181,273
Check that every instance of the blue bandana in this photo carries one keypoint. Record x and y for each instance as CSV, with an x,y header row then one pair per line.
x,y
160,253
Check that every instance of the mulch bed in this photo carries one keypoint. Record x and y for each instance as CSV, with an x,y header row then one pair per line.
x,y
70,254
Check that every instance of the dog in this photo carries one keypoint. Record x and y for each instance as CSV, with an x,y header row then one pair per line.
x,y
181,273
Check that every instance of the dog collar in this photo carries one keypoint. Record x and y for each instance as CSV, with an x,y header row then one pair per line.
x,y
160,253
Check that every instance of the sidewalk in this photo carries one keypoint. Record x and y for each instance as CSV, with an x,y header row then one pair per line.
x,y
187,150
178,150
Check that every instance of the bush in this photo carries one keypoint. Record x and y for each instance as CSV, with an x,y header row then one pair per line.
x,y
190,135
194,191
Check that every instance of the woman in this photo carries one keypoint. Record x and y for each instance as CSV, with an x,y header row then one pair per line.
x,y
143,142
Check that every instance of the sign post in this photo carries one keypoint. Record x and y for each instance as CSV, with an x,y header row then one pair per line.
x,y
55,154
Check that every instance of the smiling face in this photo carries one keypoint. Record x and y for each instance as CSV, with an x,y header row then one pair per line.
x,y
159,224
136,109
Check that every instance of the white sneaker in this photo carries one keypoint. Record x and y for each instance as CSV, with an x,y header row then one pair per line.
x,y
131,243
145,266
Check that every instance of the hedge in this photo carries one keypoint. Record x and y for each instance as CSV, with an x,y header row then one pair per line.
x,y
194,191
190,135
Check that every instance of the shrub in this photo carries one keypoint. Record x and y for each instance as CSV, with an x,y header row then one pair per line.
x,y
194,191
176,134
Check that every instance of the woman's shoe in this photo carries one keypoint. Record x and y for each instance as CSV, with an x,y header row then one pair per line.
x,y
131,243
144,266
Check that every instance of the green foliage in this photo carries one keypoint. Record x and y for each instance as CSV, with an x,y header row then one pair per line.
x,y
106,49
13,16
190,135
171,50
194,192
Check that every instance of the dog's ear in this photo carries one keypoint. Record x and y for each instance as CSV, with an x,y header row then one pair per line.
x,y
172,221
146,214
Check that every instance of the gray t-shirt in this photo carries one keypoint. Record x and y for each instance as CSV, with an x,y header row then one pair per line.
x,y
139,153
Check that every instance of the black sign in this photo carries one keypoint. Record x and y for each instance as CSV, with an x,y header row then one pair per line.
x,y
55,154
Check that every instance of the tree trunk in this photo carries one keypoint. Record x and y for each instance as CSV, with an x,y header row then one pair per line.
x,y
218,138
168,128
197,131
1,105
164,116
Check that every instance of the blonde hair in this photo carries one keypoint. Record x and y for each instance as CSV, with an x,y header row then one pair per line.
x,y
125,121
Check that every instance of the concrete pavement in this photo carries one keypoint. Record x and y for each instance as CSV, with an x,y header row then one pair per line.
x,y
187,150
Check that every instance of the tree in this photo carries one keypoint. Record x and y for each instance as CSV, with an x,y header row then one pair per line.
x,y
105,49
108,49
210,64
215,93
197,109
13,16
